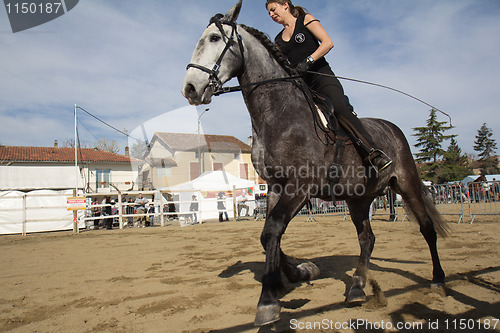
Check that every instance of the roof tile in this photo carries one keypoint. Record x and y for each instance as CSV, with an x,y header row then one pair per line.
x,y
54,154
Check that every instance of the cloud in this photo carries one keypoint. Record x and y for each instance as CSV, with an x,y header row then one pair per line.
x,y
125,61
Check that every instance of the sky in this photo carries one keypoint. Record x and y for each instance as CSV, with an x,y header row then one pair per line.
x,y
124,61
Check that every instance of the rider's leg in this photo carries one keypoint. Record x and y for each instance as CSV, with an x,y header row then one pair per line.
x,y
331,87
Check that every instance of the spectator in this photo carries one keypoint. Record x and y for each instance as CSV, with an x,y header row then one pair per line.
x,y
221,206
151,212
242,203
130,211
194,208
140,203
171,207
96,212
107,212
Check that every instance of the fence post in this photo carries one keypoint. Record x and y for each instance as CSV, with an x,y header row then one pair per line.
x,y
162,216
24,214
75,217
120,210
234,203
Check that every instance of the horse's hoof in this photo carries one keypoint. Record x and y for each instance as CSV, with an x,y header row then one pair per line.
x,y
356,295
267,314
437,285
311,269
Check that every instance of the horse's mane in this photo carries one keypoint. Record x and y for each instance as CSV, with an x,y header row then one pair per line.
x,y
271,48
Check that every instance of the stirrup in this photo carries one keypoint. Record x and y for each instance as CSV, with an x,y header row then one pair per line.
x,y
377,153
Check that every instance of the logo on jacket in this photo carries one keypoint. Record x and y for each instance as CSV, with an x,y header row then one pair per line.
x,y
300,38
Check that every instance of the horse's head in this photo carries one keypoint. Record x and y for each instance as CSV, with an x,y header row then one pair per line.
x,y
217,58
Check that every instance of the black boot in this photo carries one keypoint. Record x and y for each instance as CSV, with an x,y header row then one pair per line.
x,y
363,141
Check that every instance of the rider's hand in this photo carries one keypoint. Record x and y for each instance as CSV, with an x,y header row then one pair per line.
x,y
303,67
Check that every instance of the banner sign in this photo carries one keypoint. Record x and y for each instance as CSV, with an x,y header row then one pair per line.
x,y
76,203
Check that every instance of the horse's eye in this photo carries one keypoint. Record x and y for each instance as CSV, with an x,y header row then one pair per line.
x,y
214,38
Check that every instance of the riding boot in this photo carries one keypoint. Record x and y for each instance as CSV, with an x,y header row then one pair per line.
x,y
363,141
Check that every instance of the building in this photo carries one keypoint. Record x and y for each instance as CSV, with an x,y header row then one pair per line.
x,y
175,158
31,168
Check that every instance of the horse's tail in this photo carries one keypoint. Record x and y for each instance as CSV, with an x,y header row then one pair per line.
x,y
440,225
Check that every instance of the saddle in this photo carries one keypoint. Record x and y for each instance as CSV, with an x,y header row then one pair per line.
x,y
324,110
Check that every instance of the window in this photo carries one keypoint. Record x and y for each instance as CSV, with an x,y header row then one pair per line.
x,y
102,178
218,166
194,170
164,172
244,171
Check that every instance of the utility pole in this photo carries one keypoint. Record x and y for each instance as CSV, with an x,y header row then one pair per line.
x,y
199,144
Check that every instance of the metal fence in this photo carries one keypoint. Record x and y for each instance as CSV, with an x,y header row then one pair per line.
x,y
467,201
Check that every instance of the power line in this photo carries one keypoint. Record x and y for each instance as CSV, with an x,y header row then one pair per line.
x,y
88,130
105,123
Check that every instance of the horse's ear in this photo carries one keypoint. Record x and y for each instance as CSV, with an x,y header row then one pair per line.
x,y
232,14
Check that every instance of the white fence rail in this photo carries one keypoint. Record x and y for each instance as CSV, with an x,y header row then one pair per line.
x,y
37,211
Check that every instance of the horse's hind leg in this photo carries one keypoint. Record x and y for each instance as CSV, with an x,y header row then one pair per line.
x,y
359,209
422,207
306,271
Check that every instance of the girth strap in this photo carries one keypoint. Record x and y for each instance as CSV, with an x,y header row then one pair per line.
x,y
335,168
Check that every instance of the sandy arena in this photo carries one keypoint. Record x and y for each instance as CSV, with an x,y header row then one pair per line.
x,y
205,278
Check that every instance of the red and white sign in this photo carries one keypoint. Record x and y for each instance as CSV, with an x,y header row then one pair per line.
x,y
76,203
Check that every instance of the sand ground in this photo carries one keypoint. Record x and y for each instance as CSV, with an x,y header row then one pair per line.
x,y
205,278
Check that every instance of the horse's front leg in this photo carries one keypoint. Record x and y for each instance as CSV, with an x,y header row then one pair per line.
x,y
360,216
268,308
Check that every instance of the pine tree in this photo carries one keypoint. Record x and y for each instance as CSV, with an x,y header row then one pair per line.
x,y
486,146
430,139
455,165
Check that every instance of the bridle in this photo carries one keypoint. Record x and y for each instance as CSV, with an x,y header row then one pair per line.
x,y
214,82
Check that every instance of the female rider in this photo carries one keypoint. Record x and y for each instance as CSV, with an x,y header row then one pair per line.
x,y
305,43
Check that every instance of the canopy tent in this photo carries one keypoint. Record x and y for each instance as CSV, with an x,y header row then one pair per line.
x,y
471,178
214,181
205,188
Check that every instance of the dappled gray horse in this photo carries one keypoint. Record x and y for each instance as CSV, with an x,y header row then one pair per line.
x,y
291,155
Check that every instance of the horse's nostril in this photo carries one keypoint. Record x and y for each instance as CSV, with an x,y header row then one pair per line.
x,y
189,90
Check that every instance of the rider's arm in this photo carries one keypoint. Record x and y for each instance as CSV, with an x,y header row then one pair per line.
x,y
320,33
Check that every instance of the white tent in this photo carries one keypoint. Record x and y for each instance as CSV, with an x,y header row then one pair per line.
x,y
214,181
210,182
471,178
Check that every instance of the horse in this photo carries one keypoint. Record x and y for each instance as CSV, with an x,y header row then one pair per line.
x,y
291,155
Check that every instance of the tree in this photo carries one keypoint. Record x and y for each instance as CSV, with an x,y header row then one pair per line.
x,y
70,143
486,147
455,165
430,139
107,145
139,149
484,144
